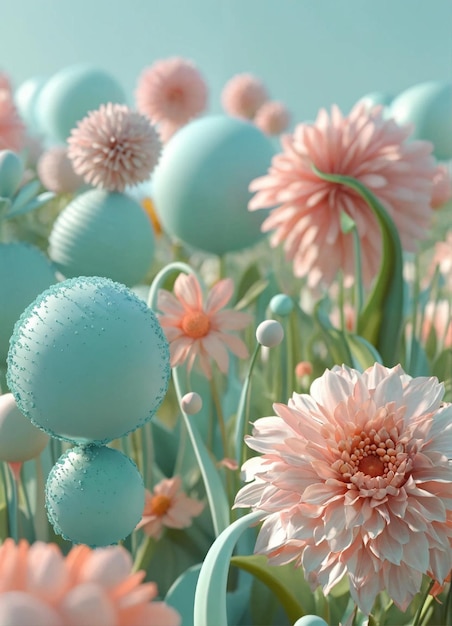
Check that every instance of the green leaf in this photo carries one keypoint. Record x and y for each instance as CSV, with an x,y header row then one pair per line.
x,y
347,223
252,294
364,354
334,338
23,197
380,321
33,204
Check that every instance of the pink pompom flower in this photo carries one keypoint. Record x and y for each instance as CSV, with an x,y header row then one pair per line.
x,y
171,91
354,479
243,95
114,147
307,213
56,172
12,128
39,586
273,118
201,331
168,506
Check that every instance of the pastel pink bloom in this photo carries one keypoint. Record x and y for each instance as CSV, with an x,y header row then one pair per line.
x,y
5,82
201,331
442,187
438,318
442,257
114,147
172,91
56,172
12,128
39,586
168,506
306,217
243,95
272,118
354,479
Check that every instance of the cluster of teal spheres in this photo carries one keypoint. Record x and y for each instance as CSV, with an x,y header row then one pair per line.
x,y
88,363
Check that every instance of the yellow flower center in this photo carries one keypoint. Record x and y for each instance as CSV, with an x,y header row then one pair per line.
x,y
160,504
196,324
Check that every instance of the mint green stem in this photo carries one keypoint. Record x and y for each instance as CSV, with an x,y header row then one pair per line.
x,y
240,424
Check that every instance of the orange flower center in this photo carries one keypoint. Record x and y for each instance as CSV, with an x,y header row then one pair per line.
x,y
371,465
160,504
196,324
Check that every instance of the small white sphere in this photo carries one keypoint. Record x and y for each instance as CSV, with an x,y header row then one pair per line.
x,y
310,620
269,333
191,403
20,440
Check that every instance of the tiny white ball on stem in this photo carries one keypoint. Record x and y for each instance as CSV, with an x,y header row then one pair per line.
x,y
191,403
269,333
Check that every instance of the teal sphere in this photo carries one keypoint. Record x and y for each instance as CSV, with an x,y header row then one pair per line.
x,y
11,173
88,361
70,94
24,273
200,187
103,233
428,106
26,98
310,620
281,304
94,495
375,98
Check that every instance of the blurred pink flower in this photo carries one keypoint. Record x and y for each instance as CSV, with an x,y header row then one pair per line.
x,y
39,586
168,506
243,95
272,118
438,318
442,257
113,147
171,91
195,330
442,187
56,172
306,221
5,82
354,479
12,128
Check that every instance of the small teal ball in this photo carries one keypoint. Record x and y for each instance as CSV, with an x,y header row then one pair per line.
x,y
94,495
281,304
310,620
11,172
428,106
103,233
24,273
70,94
88,361
200,187
26,98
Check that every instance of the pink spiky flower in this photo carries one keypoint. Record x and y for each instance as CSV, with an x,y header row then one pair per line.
x,y
354,479
40,586
243,95
307,213
12,128
273,118
171,91
114,147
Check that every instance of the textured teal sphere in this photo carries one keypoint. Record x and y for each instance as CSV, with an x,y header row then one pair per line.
x,y
200,187
24,273
428,106
103,233
70,94
94,495
88,361
11,172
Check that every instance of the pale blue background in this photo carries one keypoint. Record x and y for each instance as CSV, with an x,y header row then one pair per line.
x,y
310,53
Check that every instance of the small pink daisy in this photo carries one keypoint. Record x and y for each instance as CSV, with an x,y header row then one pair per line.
x,y
306,218
354,479
12,128
114,147
56,172
243,95
197,330
171,91
168,506
273,118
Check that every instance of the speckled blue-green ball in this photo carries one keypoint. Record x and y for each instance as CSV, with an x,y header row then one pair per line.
x,y
281,304
88,361
94,495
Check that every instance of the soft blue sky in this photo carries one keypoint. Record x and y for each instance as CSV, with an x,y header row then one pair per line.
x,y
310,53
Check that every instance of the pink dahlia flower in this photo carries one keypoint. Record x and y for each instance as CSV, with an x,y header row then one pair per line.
x,y
438,319
41,587
56,172
272,118
243,95
354,479
113,147
198,330
12,128
442,187
306,219
168,506
172,91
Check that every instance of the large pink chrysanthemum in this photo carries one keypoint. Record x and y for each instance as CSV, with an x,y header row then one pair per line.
x,y
168,506
195,330
171,91
41,587
114,147
306,219
12,128
355,479
243,95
